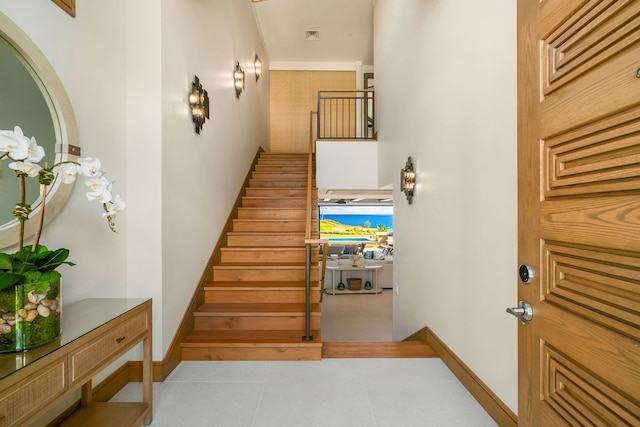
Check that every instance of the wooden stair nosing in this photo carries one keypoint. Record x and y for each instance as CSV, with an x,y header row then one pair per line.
x,y
268,183
395,349
256,309
248,212
270,220
259,285
250,338
280,169
254,239
264,265
278,192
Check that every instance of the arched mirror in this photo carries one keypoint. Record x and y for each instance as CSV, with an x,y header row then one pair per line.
x,y
32,97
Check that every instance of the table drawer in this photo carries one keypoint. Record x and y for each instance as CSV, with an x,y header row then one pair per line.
x,y
85,361
35,392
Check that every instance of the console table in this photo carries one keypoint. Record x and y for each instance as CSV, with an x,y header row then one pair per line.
x,y
95,332
371,269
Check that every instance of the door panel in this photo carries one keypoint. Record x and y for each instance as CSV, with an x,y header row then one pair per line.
x,y
579,211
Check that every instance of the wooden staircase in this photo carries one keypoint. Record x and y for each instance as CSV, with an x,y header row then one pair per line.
x,y
255,307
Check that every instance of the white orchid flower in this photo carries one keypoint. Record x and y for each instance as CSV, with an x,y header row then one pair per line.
x,y
30,169
98,183
35,152
100,189
67,172
14,143
118,205
103,195
90,167
5,136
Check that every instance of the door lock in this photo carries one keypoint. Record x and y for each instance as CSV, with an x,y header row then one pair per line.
x,y
526,273
524,312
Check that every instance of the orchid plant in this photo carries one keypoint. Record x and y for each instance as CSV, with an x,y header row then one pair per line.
x,y
36,262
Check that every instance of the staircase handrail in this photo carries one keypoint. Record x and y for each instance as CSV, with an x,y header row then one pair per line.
x,y
308,234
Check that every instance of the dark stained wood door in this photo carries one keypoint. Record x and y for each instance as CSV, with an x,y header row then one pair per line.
x,y
579,211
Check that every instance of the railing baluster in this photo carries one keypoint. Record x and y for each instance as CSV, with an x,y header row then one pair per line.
x,y
345,114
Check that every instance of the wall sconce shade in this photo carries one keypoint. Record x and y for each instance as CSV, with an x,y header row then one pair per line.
x,y
238,79
199,102
408,180
257,65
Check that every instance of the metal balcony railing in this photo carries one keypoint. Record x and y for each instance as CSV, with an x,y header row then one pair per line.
x,y
346,114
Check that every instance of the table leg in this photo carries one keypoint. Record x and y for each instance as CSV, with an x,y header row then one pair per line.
x,y
375,280
147,376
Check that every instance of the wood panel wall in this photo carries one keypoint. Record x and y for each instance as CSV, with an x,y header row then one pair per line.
x,y
293,95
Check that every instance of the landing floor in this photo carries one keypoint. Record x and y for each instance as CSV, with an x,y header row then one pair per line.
x,y
359,317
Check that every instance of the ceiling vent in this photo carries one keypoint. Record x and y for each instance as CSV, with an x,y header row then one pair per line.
x,y
312,35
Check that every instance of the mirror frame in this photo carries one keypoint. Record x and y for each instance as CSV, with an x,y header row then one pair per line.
x,y
64,121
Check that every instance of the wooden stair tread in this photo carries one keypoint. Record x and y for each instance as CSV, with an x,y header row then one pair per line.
x,y
268,248
250,338
255,309
269,220
266,233
395,349
250,285
263,266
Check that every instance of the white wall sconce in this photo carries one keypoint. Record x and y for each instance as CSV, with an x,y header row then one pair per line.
x,y
238,79
199,102
257,66
408,180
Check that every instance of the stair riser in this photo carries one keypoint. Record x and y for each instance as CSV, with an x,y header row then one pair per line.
x,y
262,296
284,156
270,226
297,164
300,177
276,192
283,168
252,353
273,203
272,213
254,323
276,183
295,256
265,275
252,240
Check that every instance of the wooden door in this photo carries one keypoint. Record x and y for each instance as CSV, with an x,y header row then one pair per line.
x,y
579,211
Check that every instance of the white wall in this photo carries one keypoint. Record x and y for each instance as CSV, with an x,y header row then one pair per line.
x,y
202,174
346,165
127,67
446,96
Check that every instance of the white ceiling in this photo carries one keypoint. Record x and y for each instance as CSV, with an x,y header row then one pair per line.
x,y
345,30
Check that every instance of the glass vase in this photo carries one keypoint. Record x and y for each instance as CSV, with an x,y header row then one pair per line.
x,y
29,315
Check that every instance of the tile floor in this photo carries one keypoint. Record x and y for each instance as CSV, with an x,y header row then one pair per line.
x,y
325,393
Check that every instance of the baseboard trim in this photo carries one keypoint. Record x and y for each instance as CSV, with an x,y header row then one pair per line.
x,y
479,390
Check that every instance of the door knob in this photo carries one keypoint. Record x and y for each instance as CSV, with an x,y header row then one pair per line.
x,y
524,312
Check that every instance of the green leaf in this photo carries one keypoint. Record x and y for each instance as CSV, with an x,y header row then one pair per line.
x,y
5,262
54,259
8,279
